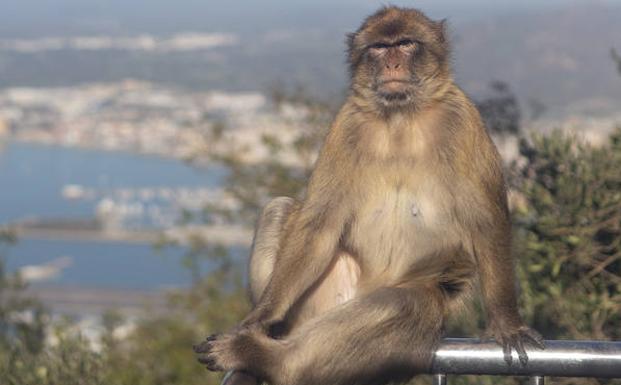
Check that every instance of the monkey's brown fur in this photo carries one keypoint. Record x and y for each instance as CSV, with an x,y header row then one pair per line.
x,y
405,206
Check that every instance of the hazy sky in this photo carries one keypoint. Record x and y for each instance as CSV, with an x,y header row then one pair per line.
x,y
29,18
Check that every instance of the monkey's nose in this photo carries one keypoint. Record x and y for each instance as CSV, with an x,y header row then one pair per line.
x,y
394,66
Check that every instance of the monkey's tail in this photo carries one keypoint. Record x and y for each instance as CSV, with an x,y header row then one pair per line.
x,y
452,274
457,278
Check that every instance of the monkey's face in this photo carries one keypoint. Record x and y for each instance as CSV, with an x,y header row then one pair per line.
x,y
399,58
393,77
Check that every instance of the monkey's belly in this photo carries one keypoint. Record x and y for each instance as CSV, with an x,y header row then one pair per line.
x,y
394,231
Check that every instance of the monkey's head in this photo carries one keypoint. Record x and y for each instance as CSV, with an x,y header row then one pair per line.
x,y
399,58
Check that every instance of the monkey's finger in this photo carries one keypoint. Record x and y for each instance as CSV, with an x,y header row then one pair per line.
x,y
534,338
519,347
210,363
204,346
506,350
206,360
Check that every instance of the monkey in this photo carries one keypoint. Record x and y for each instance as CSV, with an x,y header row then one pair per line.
x,y
405,211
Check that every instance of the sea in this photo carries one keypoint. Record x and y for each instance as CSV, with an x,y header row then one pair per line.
x,y
32,179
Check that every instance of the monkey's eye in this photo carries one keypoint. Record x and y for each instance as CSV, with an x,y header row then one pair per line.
x,y
378,48
407,44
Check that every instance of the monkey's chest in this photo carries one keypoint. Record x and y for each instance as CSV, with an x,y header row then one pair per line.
x,y
396,227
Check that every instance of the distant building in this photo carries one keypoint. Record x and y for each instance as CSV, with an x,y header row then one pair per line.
x,y
4,129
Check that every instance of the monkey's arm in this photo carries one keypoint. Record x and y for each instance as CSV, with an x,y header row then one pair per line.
x,y
497,277
490,234
310,242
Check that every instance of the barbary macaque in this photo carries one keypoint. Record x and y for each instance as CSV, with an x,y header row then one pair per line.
x,y
405,208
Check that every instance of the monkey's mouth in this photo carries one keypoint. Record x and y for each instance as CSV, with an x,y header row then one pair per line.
x,y
394,97
393,85
393,91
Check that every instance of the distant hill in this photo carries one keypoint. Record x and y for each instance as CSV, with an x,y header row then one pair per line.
x,y
559,57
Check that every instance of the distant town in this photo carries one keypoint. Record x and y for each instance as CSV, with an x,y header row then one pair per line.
x,y
181,42
143,118
146,118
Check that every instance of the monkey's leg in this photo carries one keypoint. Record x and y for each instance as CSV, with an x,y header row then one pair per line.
x,y
266,243
337,286
265,247
389,334
386,335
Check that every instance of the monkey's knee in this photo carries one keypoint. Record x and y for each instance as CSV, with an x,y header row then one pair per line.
x,y
266,243
277,211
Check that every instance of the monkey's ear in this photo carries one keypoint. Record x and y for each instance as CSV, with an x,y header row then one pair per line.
x,y
441,27
351,49
350,40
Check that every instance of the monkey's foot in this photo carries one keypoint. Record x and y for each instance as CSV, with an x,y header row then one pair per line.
x,y
516,338
238,350
217,352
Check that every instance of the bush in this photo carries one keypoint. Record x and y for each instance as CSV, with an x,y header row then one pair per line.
x,y
25,326
569,236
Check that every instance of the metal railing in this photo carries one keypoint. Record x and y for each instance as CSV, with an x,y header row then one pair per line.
x,y
599,359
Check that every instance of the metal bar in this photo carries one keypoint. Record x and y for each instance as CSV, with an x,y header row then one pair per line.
x,y
440,379
599,359
537,380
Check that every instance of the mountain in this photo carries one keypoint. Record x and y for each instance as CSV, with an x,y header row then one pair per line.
x,y
558,56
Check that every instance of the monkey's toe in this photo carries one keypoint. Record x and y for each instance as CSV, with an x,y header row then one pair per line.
x,y
217,352
204,346
532,337
518,339
207,358
210,363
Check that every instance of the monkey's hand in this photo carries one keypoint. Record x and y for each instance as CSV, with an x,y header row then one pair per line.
x,y
223,352
514,337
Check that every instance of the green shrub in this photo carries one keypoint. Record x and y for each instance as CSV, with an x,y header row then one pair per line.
x,y
568,236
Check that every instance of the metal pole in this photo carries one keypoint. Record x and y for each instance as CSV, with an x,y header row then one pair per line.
x,y
537,380
600,359
440,379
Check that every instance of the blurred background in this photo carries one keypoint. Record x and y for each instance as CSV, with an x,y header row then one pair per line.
x,y
139,139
